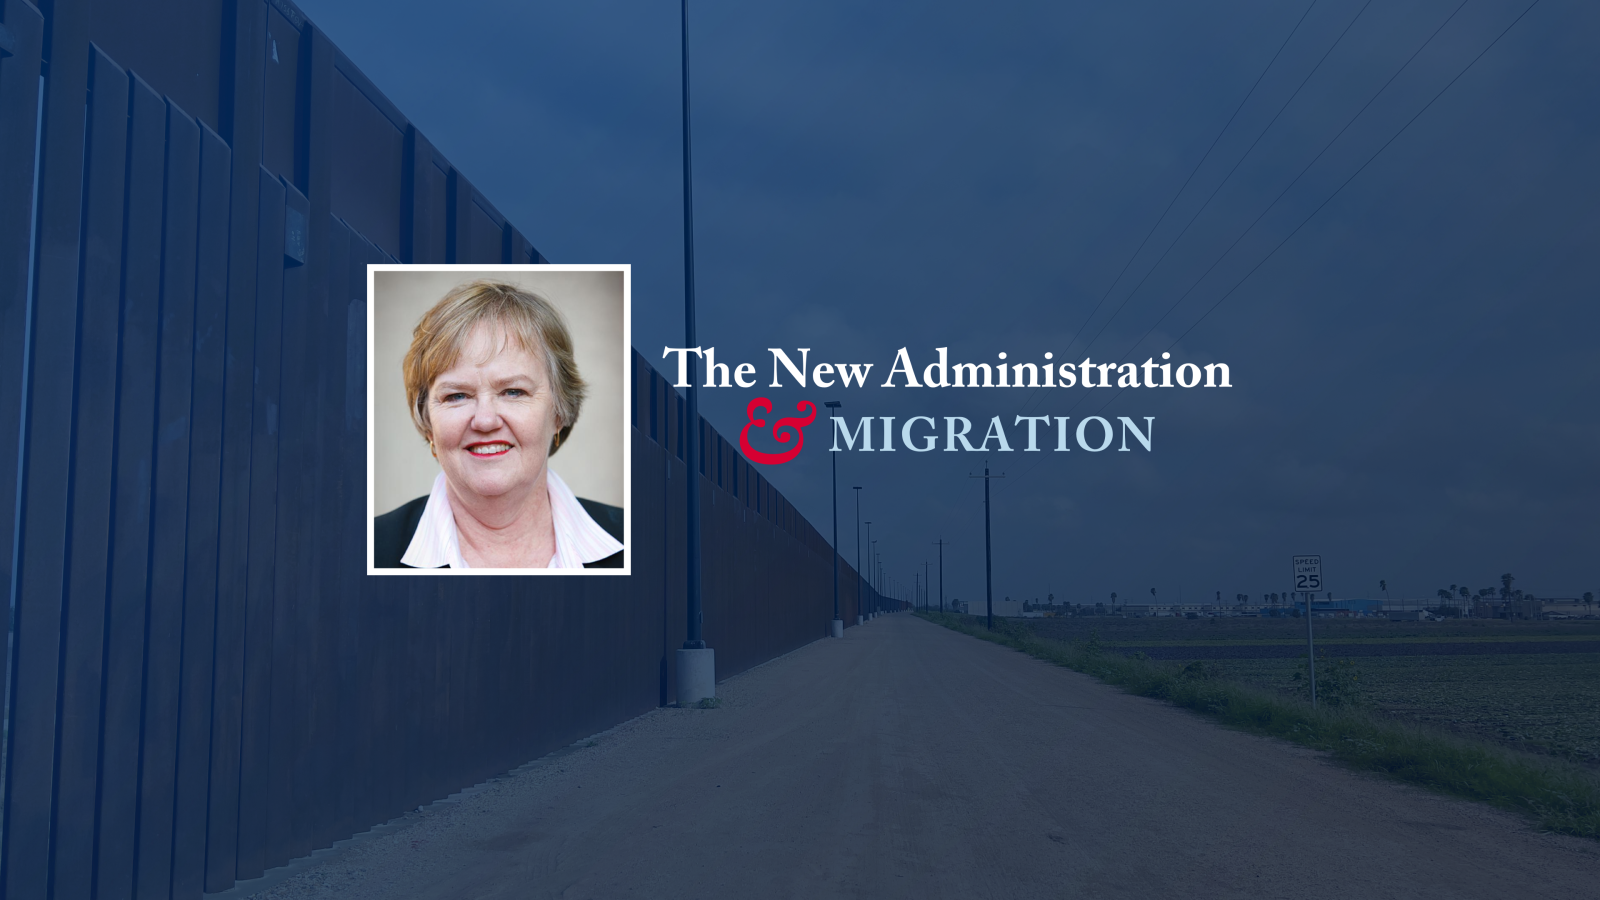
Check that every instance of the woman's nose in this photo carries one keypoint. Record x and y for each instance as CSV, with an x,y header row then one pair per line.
x,y
485,416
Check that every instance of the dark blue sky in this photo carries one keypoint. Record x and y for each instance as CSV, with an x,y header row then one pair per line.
x,y
1414,370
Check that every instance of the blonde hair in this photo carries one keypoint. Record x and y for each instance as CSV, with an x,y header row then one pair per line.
x,y
524,317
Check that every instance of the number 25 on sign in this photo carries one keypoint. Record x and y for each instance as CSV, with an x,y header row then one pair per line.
x,y
1308,573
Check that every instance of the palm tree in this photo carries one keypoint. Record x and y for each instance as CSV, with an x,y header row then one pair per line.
x,y
1588,599
1505,585
1384,586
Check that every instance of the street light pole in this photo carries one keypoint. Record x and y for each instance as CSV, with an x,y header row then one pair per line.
x,y
877,578
696,662
940,542
861,595
866,573
836,628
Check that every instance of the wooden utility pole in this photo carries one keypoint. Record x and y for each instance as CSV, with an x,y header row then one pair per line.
x,y
988,559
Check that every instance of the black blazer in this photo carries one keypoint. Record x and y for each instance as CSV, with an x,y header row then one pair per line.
x,y
392,533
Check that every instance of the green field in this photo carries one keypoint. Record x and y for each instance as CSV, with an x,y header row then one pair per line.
x,y
1158,631
1438,714
1547,703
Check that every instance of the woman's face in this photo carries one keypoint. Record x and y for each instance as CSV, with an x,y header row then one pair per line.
x,y
493,417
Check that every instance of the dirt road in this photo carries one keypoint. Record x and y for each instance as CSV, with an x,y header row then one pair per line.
x,y
910,761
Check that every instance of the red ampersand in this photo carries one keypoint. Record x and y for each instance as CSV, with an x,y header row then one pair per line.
x,y
781,430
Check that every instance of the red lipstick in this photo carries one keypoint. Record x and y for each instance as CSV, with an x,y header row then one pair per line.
x,y
500,448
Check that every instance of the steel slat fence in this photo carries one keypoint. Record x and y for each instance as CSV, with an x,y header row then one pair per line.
x,y
202,683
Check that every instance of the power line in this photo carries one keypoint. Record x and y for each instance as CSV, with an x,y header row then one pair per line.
x,y
1281,194
1326,147
1321,205
1195,171
1218,189
1330,197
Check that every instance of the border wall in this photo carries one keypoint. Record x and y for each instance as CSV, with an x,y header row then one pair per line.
x,y
201,682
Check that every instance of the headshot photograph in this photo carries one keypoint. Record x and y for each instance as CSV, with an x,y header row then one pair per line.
x,y
497,412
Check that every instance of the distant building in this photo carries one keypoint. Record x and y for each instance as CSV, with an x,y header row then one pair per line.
x,y
1409,615
1176,609
1007,607
1508,609
1567,608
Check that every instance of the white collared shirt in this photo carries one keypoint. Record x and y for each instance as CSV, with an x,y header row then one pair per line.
x,y
579,539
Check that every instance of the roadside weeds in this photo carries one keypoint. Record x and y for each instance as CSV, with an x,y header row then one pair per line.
x,y
1561,797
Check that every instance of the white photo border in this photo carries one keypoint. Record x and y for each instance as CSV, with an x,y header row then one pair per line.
x,y
627,412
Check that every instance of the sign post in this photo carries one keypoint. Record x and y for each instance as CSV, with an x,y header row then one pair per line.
x,y
1308,580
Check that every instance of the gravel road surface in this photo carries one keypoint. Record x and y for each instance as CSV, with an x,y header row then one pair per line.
x,y
910,761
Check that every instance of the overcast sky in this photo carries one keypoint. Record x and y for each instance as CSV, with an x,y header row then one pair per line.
x,y
1414,370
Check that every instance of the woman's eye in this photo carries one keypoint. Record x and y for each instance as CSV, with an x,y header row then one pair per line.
x,y
515,392
451,398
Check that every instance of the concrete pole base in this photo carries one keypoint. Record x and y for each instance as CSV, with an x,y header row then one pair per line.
x,y
861,620
697,676
837,628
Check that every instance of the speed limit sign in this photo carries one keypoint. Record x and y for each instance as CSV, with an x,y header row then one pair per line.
x,y
1308,573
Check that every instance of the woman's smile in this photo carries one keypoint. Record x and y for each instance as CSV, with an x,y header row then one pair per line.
x,y
489,448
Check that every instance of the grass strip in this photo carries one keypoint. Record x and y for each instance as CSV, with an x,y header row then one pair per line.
x,y
1561,797
1203,641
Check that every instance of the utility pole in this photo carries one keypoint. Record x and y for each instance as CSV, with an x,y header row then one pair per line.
x,y
941,542
926,585
836,627
988,560
697,677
